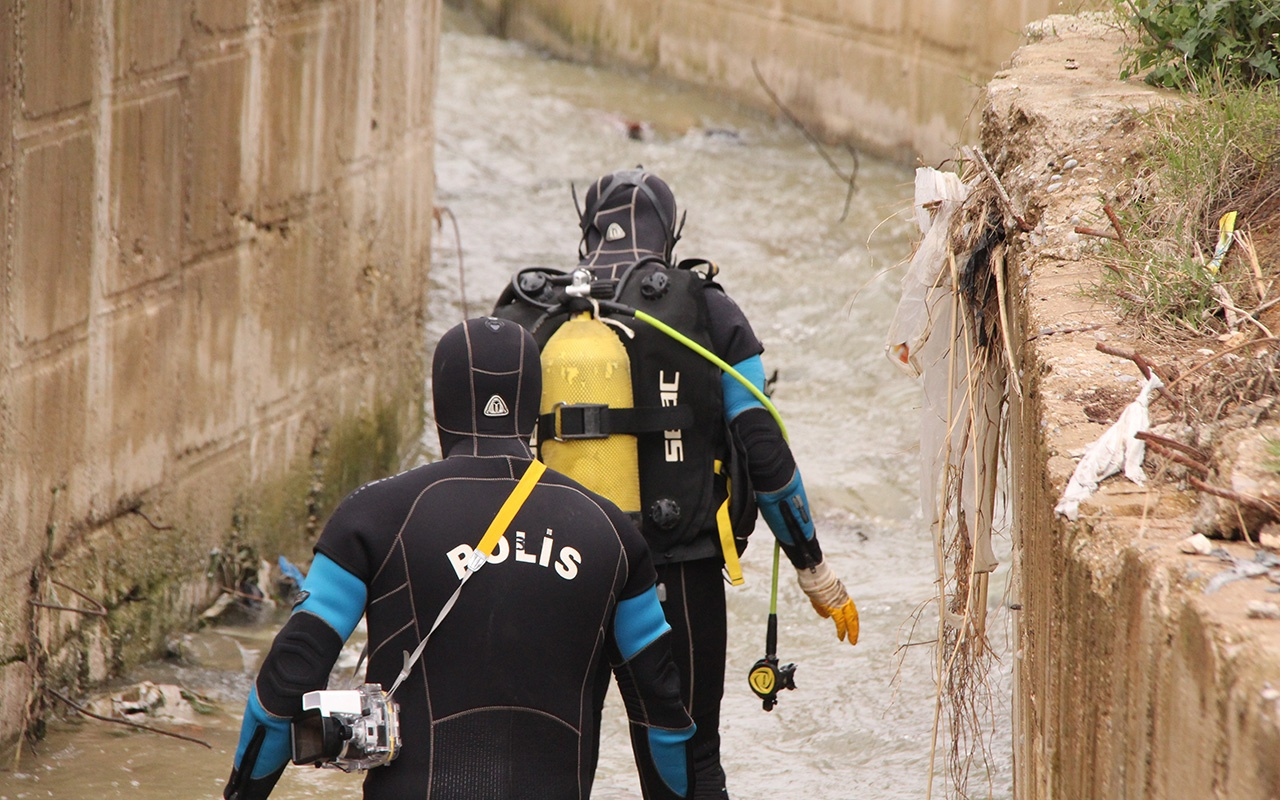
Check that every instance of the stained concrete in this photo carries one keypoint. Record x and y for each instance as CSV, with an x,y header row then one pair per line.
x,y
898,79
1133,681
216,222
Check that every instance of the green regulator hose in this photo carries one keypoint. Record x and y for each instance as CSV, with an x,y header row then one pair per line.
x,y
719,362
771,635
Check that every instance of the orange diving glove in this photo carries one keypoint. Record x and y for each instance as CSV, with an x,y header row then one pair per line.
x,y
829,598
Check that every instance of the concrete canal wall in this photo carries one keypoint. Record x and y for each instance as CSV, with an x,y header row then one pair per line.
x,y
899,79
215,221
1136,678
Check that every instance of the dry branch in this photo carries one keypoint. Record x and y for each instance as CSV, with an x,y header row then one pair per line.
x,y
129,723
1174,455
1256,503
1172,444
851,179
1115,223
975,155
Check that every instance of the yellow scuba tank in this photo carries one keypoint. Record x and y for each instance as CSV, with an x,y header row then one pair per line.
x,y
585,362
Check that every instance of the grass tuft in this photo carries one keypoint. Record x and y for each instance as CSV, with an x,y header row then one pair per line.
x,y
1212,154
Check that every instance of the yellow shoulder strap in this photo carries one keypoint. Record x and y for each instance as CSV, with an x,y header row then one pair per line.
x,y
510,507
482,552
727,545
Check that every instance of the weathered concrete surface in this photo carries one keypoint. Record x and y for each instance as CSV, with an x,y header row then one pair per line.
x,y
216,221
900,79
1132,681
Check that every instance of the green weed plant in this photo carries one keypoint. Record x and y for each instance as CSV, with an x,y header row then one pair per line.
x,y
1212,153
1272,462
1189,44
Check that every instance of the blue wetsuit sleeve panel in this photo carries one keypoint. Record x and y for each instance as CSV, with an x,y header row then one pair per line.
x,y
780,493
275,752
334,595
738,398
787,512
638,622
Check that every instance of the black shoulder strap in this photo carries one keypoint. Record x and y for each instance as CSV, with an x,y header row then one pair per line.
x,y
692,264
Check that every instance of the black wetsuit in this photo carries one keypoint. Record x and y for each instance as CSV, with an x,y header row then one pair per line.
x,y
505,700
628,227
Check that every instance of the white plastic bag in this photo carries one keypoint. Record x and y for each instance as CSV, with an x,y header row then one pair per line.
x,y
1117,449
938,195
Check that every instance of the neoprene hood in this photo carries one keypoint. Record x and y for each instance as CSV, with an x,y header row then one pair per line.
x,y
486,384
626,215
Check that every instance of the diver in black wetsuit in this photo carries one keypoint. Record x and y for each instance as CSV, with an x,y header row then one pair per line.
x,y
504,702
629,231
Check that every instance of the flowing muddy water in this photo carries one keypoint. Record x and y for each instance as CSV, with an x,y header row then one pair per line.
x,y
515,130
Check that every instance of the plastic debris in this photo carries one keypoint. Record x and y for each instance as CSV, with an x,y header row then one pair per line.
x,y
1226,235
290,571
1263,563
938,195
1117,450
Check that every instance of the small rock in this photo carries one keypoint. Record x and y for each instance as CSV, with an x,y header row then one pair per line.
x,y
1258,609
1196,544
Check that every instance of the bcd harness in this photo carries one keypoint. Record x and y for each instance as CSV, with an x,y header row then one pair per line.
x,y
531,300
667,420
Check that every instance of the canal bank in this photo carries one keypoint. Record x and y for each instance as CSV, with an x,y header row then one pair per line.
x,y
1137,676
902,80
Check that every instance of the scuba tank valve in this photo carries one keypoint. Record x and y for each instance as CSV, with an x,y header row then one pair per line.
x,y
767,677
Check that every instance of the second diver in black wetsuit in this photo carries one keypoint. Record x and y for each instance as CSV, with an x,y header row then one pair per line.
x,y
689,420
504,702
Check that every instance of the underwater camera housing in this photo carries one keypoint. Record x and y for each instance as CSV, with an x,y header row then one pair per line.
x,y
347,729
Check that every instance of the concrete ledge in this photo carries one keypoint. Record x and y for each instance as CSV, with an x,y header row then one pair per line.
x,y
1132,682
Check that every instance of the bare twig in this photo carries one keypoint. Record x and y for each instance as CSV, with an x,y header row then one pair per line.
x,y
98,610
1081,229
851,178
906,645
1235,313
1144,366
1115,223
1174,455
129,723
1071,329
1256,503
1172,444
1265,306
1220,354
150,522
241,595
439,213
1244,240
975,155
